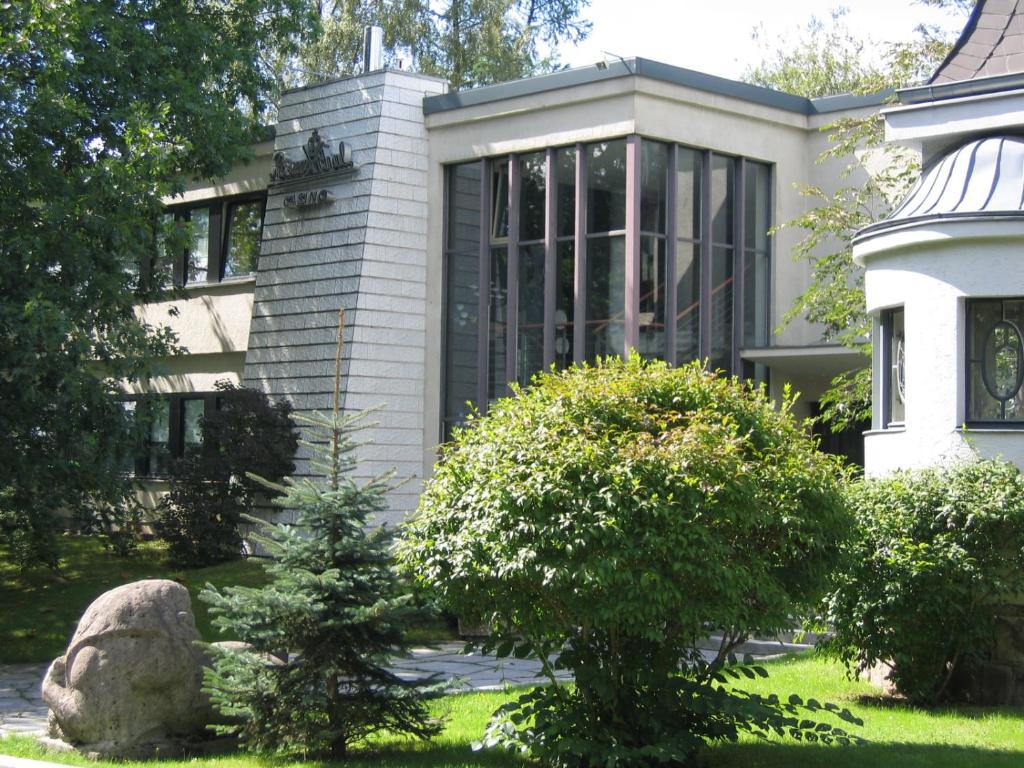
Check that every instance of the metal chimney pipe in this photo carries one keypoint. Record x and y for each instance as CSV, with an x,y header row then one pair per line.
x,y
373,49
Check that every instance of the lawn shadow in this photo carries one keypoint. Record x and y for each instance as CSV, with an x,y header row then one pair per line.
x,y
967,711
882,755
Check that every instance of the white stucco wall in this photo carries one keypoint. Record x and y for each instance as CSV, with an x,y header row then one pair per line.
x,y
931,269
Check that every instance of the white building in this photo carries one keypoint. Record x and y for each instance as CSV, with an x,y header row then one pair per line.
x,y
475,238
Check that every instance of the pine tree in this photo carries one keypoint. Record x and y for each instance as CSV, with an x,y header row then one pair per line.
x,y
313,679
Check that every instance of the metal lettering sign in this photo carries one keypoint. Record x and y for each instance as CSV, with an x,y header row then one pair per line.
x,y
318,161
308,198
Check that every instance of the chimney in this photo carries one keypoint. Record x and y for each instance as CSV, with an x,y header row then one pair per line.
x,y
373,49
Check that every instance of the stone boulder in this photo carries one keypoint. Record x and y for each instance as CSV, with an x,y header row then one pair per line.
x,y
129,683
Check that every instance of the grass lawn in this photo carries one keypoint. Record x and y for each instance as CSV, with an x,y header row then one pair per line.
x,y
40,609
899,735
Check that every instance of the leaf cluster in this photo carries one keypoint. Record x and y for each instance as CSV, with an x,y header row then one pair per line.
x,y
613,515
106,108
936,554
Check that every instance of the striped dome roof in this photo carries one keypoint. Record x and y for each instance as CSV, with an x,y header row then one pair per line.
x,y
984,176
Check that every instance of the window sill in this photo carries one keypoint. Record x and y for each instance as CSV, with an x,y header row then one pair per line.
x,y
893,430
226,282
969,429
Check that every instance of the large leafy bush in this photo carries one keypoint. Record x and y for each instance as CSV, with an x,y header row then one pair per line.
x,y
936,553
612,516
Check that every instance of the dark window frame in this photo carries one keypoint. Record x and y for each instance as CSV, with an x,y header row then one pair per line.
x,y
970,361
175,402
218,237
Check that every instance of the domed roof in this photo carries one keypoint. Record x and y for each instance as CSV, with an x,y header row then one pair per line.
x,y
983,177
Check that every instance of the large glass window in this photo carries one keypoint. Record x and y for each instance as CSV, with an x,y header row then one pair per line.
x,y
244,231
168,426
995,350
696,251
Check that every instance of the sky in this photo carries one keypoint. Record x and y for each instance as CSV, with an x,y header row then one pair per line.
x,y
715,36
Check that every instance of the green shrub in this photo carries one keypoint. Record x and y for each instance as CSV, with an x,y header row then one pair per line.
x,y
211,490
935,553
612,516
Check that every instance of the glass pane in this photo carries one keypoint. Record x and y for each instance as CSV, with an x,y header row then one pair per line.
x,y
721,309
755,204
652,297
163,264
606,296
245,227
530,352
461,329
722,170
688,176
755,301
159,436
897,348
606,186
199,251
499,200
193,410
565,167
565,292
687,302
127,459
463,214
997,360
653,186
531,196
496,337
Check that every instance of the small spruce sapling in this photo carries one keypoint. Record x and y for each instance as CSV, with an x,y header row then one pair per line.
x,y
313,679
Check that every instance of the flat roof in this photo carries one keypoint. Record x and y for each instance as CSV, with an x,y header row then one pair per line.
x,y
655,70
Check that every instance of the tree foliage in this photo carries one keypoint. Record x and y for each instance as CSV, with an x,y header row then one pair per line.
x,y
467,42
212,489
935,555
607,518
313,679
106,106
827,59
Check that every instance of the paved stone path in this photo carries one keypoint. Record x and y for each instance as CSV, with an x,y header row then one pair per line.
x,y
22,709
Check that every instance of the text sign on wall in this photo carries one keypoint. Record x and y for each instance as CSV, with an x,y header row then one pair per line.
x,y
308,198
319,160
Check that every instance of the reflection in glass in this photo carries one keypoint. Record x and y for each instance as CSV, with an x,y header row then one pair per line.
x,y
606,297
496,337
606,186
199,251
652,297
159,413
688,196
499,200
755,299
565,167
653,186
996,377
687,302
531,196
245,225
530,339
461,329
721,309
565,304
722,171
463,214
756,199
192,417
896,355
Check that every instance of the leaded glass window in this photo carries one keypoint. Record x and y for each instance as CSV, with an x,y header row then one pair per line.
x,y
995,349
894,349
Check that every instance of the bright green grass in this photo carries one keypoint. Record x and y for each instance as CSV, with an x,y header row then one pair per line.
x,y
39,610
899,735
